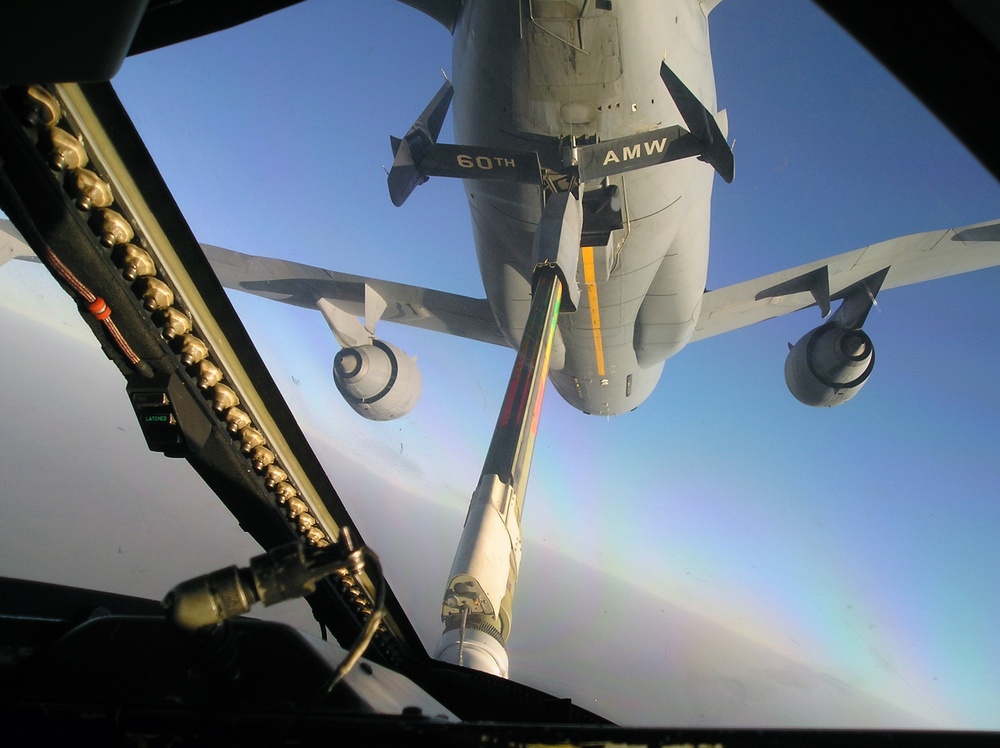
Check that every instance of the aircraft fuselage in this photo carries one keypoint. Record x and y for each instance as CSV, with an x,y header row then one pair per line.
x,y
528,75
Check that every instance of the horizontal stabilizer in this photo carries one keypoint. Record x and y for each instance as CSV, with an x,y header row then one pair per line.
x,y
701,123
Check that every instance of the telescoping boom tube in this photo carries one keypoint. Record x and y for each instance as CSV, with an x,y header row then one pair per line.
x,y
478,601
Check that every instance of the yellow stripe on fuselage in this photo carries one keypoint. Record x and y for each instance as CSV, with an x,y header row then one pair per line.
x,y
590,281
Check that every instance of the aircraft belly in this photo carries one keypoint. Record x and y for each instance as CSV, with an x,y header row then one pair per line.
x,y
595,76
669,312
503,230
646,309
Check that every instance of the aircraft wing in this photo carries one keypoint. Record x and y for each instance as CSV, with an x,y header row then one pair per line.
x,y
907,259
12,246
305,285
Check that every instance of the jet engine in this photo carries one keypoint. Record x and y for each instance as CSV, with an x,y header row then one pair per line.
x,y
828,365
378,380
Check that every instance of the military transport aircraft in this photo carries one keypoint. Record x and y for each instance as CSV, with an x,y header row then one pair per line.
x,y
610,102
588,138
614,107
125,673
593,128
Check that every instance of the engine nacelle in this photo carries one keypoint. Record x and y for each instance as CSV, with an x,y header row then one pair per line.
x,y
378,380
828,365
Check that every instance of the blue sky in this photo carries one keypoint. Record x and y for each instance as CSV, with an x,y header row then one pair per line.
x,y
853,546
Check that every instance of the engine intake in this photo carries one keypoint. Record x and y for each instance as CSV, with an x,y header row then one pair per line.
x,y
828,365
378,380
